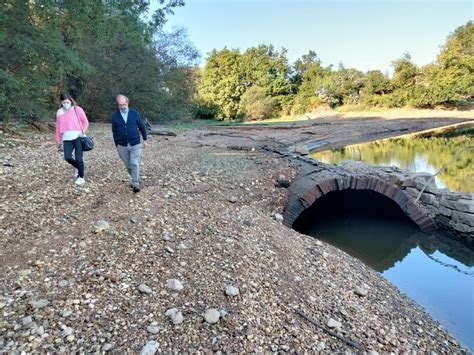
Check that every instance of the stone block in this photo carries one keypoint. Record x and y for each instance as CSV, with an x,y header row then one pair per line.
x,y
401,199
409,183
432,209
456,196
353,182
430,199
341,184
431,188
362,183
443,221
391,191
460,205
372,183
328,186
445,211
396,179
462,217
412,192
463,228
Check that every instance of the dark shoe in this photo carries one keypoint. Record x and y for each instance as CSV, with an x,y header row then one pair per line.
x,y
136,189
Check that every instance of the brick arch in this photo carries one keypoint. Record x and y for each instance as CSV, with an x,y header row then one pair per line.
x,y
303,194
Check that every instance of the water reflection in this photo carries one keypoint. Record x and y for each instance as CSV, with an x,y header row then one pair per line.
x,y
434,270
426,154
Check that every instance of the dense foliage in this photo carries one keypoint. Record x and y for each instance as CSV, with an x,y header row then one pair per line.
x,y
260,82
95,49
98,48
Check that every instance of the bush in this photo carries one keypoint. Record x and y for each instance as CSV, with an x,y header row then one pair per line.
x,y
255,105
204,111
302,104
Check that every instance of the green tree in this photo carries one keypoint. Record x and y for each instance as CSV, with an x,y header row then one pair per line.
x,y
94,49
221,82
34,58
256,104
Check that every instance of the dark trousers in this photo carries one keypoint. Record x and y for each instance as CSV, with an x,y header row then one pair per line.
x,y
77,162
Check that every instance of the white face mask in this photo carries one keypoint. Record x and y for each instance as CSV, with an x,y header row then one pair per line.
x,y
66,106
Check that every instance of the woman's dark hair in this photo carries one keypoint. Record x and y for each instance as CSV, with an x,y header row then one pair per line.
x,y
67,96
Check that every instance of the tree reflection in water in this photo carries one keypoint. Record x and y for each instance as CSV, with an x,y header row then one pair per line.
x,y
423,154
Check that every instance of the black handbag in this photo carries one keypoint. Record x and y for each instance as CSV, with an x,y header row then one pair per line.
x,y
87,143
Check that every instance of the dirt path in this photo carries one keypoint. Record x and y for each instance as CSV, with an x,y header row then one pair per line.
x,y
205,217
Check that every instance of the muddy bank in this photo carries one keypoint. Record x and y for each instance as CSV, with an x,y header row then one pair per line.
x,y
206,218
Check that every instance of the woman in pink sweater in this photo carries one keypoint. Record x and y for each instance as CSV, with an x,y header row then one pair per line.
x,y
71,124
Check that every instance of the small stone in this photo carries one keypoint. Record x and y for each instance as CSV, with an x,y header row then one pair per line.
x,y
40,330
212,316
27,320
63,283
298,279
332,323
361,291
153,329
174,285
282,182
321,346
144,289
175,315
319,243
232,199
169,250
101,226
66,331
279,218
247,222
181,246
107,347
40,304
232,291
150,348
66,313
301,149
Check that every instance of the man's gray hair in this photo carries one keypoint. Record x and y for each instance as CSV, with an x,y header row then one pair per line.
x,y
121,95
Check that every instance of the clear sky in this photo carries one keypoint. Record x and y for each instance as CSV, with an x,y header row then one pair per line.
x,y
361,34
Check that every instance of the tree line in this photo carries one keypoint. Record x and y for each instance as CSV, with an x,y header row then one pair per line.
x,y
260,82
96,49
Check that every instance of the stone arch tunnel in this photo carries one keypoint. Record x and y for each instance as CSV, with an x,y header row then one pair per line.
x,y
318,179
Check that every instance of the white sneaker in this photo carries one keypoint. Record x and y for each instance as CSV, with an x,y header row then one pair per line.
x,y
80,181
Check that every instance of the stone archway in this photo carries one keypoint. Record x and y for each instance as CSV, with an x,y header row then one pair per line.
x,y
304,191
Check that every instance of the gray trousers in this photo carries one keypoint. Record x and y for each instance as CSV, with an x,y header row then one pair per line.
x,y
130,156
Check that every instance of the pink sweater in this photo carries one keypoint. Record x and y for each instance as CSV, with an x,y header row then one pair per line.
x,y
68,121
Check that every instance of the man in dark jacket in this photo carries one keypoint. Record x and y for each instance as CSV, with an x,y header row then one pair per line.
x,y
126,127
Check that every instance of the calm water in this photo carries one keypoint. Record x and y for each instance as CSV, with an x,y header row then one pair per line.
x,y
418,155
436,271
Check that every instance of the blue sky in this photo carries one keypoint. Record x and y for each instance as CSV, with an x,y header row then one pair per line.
x,y
360,34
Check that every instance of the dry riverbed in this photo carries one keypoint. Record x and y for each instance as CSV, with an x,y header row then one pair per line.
x,y
197,261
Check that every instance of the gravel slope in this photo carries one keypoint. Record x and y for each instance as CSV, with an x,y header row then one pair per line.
x,y
205,217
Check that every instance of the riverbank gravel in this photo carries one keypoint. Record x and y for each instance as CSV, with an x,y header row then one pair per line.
x,y
195,262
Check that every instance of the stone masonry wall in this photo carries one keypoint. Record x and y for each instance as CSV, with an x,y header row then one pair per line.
x,y
452,212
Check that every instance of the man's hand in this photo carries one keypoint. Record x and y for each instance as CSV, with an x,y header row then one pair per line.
x,y
145,144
